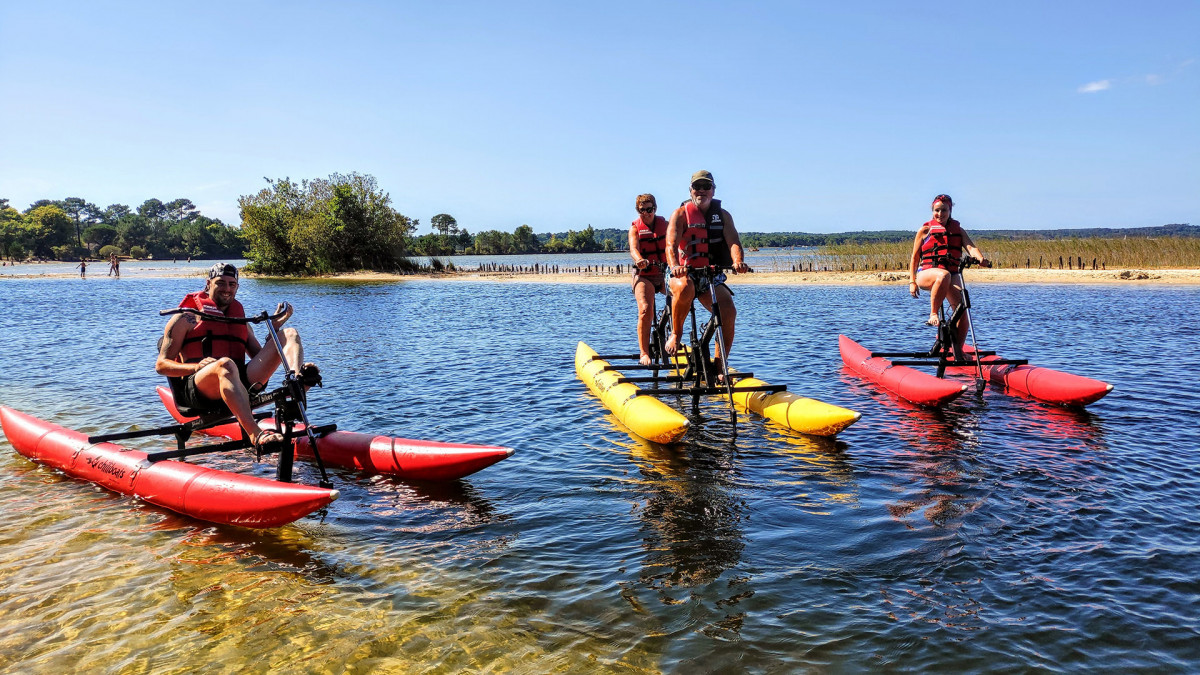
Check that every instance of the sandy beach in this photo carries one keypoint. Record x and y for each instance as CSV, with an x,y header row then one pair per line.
x,y
975,275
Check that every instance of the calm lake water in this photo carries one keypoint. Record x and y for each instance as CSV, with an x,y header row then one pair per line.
x,y
996,535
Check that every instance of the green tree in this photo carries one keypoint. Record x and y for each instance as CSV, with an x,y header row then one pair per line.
x,y
49,227
582,242
83,213
114,213
320,226
13,233
180,209
152,209
132,230
98,236
444,224
525,241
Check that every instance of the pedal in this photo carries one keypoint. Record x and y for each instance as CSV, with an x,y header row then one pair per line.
x,y
310,375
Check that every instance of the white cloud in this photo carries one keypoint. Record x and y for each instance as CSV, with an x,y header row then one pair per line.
x,y
1093,87
1154,79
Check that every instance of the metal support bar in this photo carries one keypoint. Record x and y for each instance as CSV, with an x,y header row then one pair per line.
x,y
709,391
197,450
194,425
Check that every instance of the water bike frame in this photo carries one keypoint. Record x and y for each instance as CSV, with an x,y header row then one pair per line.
x,y
690,372
289,402
941,354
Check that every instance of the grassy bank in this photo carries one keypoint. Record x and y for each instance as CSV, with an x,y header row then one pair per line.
x,y
1091,253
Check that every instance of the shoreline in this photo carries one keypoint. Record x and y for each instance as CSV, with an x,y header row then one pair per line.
x,y
1134,277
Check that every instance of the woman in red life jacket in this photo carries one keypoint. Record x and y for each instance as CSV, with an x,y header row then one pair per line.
x,y
936,257
647,247
701,234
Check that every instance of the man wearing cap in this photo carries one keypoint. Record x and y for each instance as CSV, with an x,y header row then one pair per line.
x,y
205,361
701,234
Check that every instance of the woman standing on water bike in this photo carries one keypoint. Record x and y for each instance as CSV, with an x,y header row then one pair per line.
x,y
647,247
937,257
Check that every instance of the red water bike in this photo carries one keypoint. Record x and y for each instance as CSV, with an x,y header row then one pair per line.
x,y
893,369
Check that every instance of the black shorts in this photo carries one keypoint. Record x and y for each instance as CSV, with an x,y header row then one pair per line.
x,y
187,396
700,279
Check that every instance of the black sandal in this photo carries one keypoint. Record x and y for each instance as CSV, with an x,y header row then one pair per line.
x,y
268,440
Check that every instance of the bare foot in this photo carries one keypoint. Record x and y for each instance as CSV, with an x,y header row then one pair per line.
x,y
644,359
672,345
932,320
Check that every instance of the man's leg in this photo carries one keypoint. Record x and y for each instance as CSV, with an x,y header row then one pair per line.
x,y
682,292
264,363
221,381
728,316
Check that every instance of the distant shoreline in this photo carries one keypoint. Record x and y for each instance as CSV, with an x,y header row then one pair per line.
x,y
1135,277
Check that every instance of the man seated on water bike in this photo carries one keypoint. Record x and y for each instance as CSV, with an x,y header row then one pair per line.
x,y
205,361
701,234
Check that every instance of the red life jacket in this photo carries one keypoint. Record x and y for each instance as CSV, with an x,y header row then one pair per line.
x,y
652,245
942,247
214,339
703,242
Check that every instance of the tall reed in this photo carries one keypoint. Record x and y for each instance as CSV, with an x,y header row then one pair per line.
x,y
1103,253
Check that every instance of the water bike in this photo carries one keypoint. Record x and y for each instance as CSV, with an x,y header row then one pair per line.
x,y
692,373
1015,376
231,498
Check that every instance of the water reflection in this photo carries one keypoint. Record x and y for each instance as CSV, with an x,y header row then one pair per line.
x,y
691,520
460,505
692,528
940,462
1080,428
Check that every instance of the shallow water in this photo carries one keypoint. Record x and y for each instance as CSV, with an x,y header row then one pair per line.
x,y
998,534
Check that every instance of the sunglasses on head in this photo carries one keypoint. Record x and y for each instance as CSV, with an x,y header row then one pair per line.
x,y
702,185
647,209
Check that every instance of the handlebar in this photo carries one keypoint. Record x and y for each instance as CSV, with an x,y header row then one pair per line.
x,y
713,270
258,318
971,261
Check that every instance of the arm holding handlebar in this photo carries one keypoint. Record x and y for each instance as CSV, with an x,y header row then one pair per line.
x,y
182,320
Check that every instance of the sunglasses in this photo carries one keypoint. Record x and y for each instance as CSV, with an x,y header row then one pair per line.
x,y
647,209
702,185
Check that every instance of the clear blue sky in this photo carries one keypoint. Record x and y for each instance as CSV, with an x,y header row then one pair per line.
x,y
812,117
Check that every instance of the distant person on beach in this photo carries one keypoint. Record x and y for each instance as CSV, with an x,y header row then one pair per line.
x,y
114,266
699,234
205,361
82,268
647,247
936,256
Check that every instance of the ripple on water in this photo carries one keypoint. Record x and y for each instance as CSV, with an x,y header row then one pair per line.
x,y
997,534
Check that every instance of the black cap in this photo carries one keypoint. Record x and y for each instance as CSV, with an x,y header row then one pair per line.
x,y
222,270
